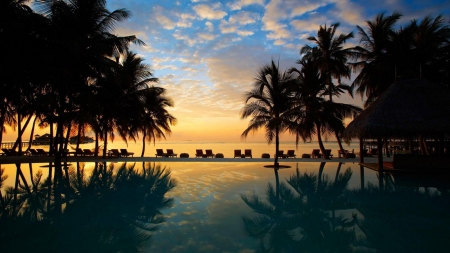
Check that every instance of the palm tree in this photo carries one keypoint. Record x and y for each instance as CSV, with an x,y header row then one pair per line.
x,y
430,37
329,55
83,48
156,120
269,104
375,65
314,114
330,58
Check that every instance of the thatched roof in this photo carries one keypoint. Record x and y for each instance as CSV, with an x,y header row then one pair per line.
x,y
406,108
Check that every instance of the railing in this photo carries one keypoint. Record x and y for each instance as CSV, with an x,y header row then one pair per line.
x,y
11,144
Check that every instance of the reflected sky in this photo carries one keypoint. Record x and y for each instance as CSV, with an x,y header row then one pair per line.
x,y
207,209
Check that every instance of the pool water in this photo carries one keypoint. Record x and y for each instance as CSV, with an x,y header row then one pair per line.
x,y
222,207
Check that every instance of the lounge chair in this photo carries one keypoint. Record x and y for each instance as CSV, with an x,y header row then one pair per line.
x,y
364,153
342,153
41,152
114,153
170,153
291,154
160,153
280,154
199,153
88,152
8,152
316,153
33,152
124,152
248,153
237,153
328,153
209,153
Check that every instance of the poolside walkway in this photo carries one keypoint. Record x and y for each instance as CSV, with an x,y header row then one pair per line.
x,y
47,159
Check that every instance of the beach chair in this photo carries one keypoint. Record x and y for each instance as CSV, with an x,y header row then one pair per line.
x,y
209,153
237,153
291,154
199,153
248,153
342,153
124,152
160,153
78,152
41,152
4,152
170,153
114,153
328,153
280,154
88,152
33,152
316,153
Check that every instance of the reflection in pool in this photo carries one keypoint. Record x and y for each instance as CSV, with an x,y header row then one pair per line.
x,y
220,207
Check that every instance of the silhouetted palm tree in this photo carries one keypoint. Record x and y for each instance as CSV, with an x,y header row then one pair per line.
x,y
376,66
315,115
329,55
155,119
269,104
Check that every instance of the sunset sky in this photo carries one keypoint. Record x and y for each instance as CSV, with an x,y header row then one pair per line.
x,y
206,52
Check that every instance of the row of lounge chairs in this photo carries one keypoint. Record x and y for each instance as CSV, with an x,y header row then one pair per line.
x,y
170,153
208,153
289,154
247,153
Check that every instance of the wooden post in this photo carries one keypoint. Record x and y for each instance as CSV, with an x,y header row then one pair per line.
x,y
361,156
380,154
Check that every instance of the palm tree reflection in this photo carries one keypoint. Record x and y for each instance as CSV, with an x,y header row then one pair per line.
x,y
302,218
113,210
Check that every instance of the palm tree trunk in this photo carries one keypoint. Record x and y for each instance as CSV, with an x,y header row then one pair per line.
x,y
386,148
319,139
105,142
2,120
32,133
277,147
423,145
338,139
143,143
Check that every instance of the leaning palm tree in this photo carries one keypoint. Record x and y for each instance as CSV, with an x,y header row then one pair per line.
x,y
269,104
155,120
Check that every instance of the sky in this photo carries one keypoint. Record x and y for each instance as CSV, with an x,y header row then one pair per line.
x,y
207,52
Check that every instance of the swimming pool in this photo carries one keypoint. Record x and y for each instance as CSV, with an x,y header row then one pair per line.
x,y
226,207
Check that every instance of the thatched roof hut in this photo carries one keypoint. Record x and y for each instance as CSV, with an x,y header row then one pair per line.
x,y
407,108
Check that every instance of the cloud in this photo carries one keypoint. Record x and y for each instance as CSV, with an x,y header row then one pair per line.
x,y
349,12
243,18
210,26
207,12
165,22
226,27
275,12
206,36
242,3
306,7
